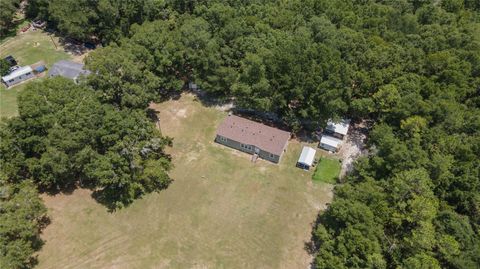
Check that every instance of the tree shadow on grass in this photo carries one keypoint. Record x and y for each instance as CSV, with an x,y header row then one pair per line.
x,y
12,30
37,241
313,245
111,199
73,46
66,188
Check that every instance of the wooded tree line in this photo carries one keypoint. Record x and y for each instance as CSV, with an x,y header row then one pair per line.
x,y
91,20
411,66
8,8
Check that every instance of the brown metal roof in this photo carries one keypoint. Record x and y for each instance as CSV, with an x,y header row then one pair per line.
x,y
253,133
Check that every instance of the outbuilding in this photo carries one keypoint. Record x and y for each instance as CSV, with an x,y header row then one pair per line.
x,y
17,76
330,143
338,129
307,157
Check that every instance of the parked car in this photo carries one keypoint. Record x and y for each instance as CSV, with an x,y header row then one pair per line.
x,y
39,24
89,45
13,68
11,60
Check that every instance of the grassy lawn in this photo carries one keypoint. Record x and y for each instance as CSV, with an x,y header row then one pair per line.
x,y
8,100
327,170
27,48
221,211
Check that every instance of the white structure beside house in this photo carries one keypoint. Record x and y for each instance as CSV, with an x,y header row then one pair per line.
x,y
306,158
338,129
330,143
19,75
334,134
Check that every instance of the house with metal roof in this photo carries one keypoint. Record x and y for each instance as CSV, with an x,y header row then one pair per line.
x,y
19,75
253,138
68,69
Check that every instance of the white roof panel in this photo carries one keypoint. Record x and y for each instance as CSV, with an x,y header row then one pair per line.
x,y
331,141
307,156
339,127
20,71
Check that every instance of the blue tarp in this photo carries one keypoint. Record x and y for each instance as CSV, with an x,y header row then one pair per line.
x,y
40,68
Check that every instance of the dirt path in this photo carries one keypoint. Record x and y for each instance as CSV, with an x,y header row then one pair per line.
x,y
353,147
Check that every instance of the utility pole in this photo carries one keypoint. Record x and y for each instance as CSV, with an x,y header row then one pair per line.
x,y
53,41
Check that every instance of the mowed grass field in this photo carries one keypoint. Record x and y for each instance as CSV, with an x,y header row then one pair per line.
x,y
327,170
221,211
27,48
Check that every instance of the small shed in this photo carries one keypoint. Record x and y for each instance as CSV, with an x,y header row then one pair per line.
x,y
338,129
330,143
17,76
306,158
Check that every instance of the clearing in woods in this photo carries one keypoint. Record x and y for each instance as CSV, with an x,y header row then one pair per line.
x,y
221,211
28,48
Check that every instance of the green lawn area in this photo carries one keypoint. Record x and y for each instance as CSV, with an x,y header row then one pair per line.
x,y
327,170
221,211
8,100
27,48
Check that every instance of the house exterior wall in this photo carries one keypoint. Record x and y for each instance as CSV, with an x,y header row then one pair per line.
x,y
19,79
328,147
303,166
334,134
250,150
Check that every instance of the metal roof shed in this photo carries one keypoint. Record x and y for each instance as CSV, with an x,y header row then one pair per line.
x,y
338,127
330,143
306,158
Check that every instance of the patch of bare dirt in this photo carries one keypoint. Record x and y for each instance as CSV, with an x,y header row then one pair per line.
x,y
225,107
181,113
353,147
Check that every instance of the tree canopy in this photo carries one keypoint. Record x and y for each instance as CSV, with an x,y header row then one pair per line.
x,y
8,8
22,215
87,20
65,136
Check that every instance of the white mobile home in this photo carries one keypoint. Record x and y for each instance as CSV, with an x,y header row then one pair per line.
x,y
17,76
306,158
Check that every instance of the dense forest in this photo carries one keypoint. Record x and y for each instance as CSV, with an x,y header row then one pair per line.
x,y
7,14
410,66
